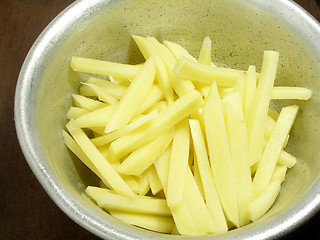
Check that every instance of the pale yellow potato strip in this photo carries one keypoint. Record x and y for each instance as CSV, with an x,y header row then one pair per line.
x,y
250,88
257,115
162,77
163,51
197,72
181,214
87,65
143,182
75,112
178,51
96,118
238,144
165,120
286,159
102,96
154,181
299,93
210,193
219,155
154,95
74,147
138,204
279,173
109,137
178,163
260,205
197,206
275,144
142,158
133,97
156,223
94,192
114,89
205,52
108,175
87,103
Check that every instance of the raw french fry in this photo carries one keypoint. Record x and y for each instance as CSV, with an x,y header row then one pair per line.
x,y
119,70
260,205
103,96
163,51
94,192
75,112
154,95
133,97
178,51
181,214
109,137
196,205
279,173
197,72
240,88
258,111
162,77
159,106
286,159
211,196
114,89
299,93
273,148
137,204
96,118
165,120
142,158
205,52
152,222
74,147
178,163
108,175
154,181
219,154
143,182
250,88
238,144
87,103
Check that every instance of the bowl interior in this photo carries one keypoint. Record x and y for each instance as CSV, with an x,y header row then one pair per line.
x,y
240,31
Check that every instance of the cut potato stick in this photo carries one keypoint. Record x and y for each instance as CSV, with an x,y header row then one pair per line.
x,y
279,173
250,88
154,181
163,51
238,144
273,148
108,175
75,112
197,72
114,89
260,205
181,214
133,97
87,103
162,77
286,159
109,137
258,111
96,118
152,222
219,154
205,52
143,182
137,204
299,93
119,70
178,51
74,147
142,158
178,163
197,206
103,96
154,95
165,120
211,196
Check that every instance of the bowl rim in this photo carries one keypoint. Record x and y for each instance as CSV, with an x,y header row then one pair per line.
x,y
307,206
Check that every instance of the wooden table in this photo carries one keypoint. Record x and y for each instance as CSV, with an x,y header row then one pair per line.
x,y
26,211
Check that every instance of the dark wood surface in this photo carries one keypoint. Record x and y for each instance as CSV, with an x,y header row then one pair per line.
x,y
26,211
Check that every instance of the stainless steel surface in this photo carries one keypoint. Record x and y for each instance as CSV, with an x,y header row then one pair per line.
x,y
240,31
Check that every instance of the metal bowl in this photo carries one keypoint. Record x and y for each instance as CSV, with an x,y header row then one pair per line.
x,y
240,30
